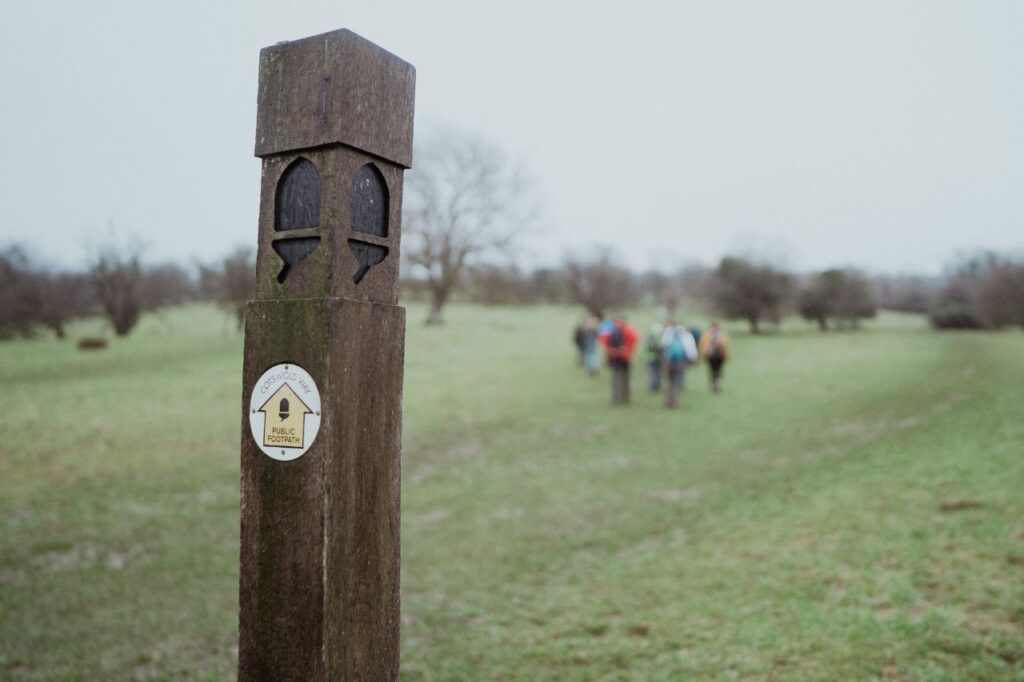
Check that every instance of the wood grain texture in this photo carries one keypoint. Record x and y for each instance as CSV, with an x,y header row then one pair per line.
x,y
363,491
281,593
319,588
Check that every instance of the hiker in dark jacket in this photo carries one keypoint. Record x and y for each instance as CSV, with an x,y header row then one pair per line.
x,y
653,350
579,340
716,348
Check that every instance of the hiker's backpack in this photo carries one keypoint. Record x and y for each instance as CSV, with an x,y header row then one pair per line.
x,y
617,338
676,351
717,347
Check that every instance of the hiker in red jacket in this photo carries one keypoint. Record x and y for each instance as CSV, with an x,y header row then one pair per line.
x,y
619,343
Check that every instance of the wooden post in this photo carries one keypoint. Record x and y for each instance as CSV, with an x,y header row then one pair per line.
x,y
322,377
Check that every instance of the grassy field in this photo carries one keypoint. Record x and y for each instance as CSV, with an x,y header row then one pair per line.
x,y
851,507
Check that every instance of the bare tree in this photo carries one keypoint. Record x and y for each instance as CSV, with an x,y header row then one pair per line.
x,y
662,289
983,291
751,291
546,285
17,307
464,200
1001,294
116,276
599,285
62,296
856,300
844,296
695,281
496,285
167,284
230,282
652,283
906,293
32,294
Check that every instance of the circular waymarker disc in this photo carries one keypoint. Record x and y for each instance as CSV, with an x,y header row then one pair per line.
x,y
284,412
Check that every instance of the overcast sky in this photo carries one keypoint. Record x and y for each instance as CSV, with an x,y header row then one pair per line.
x,y
885,135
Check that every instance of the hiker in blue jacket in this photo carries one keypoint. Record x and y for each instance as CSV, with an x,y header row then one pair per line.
x,y
679,352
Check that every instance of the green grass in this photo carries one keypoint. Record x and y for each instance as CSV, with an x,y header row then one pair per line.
x,y
803,525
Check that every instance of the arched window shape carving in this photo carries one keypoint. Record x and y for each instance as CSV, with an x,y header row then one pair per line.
x,y
370,202
297,205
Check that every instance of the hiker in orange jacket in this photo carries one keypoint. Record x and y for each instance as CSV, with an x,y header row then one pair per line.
x,y
619,342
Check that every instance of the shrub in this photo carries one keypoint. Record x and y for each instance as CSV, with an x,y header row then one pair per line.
x,y
92,343
955,315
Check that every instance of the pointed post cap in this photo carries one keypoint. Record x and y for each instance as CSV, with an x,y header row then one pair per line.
x,y
335,88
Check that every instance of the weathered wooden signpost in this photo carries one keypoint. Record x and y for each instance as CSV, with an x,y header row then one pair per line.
x,y
322,379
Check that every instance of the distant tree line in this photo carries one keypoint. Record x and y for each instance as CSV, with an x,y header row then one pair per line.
x,y
737,289
979,292
466,206
984,291
114,283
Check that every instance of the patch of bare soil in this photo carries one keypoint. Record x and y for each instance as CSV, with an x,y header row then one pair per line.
x,y
958,505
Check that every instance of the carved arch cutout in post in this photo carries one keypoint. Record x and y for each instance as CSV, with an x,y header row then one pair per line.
x,y
297,204
369,205
292,251
367,255
296,207
370,202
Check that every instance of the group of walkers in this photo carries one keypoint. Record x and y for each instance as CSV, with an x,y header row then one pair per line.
x,y
669,350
